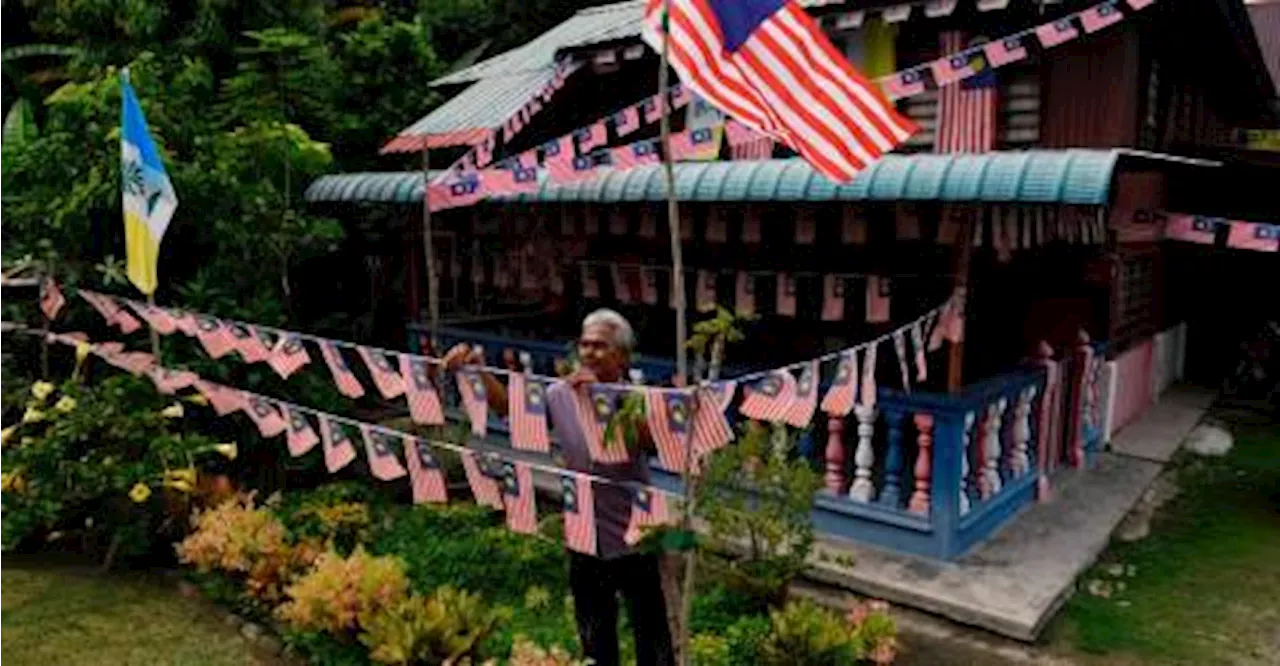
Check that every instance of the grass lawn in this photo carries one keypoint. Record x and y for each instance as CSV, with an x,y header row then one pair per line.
x,y
67,616
1204,587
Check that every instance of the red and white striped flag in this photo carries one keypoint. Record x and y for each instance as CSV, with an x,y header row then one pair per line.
x,y
1193,228
868,387
518,497
51,299
806,399
711,429
966,111
105,306
156,317
1100,16
338,450
769,398
579,508
1057,32
426,478
265,415
247,342
633,155
389,382
832,298
878,290
917,346
136,363
653,108
170,381
595,407
786,300
723,392
517,180
840,395
121,317
770,66
484,485
648,285
744,294
475,402
184,321
383,464
648,509
952,67
906,83
302,437
420,392
626,121
288,356
343,378
1002,52
213,336
668,415
591,137
746,143
1254,236
527,405
222,399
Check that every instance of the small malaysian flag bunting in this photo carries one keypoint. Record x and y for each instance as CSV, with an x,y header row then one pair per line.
x,y
213,337
338,450
626,121
475,401
389,382
744,294
952,68
903,84
680,96
578,503
557,151
805,402
900,348
517,180
1254,236
868,383
652,108
248,342
102,304
648,285
265,416
484,484
723,392
343,378
746,143
183,321
420,392
572,170
832,298
223,400
527,405
289,355
699,144
378,448
156,317
591,137
635,154
1057,32
668,415
878,290
426,478
170,381
1193,228
1139,5
917,348
302,437
840,396
52,300
711,429
648,510
705,300
1002,52
595,406
786,300
769,398
518,497
1100,16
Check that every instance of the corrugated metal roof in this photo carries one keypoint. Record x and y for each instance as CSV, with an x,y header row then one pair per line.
x,y
591,25
1077,176
469,116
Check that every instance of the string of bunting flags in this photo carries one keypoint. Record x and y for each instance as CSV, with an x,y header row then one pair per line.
x,y
582,153
1242,235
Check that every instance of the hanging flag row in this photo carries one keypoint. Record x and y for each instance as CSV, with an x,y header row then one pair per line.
x,y
1203,229
498,482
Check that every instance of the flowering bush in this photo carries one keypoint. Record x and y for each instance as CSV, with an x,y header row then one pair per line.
x,y
340,594
804,633
447,627
527,653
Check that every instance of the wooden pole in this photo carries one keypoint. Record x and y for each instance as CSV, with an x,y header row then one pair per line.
x,y
673,208
961,257
433,287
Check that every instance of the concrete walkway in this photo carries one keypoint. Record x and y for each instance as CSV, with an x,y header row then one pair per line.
x,y
1015,582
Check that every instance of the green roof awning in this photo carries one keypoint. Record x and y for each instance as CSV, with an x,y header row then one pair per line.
x,y
1074,176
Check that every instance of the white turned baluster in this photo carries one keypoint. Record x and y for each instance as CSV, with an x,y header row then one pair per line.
x,y
964,463
1019,458
864,456
990,481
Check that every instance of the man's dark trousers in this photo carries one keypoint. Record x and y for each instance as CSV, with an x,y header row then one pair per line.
x,y
596,584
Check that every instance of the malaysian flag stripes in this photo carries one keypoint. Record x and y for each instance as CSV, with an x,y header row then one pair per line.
x,y
302,437
653,108
1193,228
572,170
265,415
1137,5
474,401
868,387
800,413
389,382
213,337
248,342
746,143
723,392
768,64
156,318
635,154
426,478
557,151
383,464
1100,16
595,407
769,398
840,395
183,321
516,180
903,84
527,405
223,400
952,68
579,513
648,510
680,96
136,363
710,427
917,348
900,348
1058,32
1254,236
104,305
518,497
289,355
484,487
966,112
338,450
52,300
668,415
420,392
591,137
1001,52
700,144
626,121
343,378
170,381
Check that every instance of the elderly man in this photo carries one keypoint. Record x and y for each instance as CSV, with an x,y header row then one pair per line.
x,y
604,352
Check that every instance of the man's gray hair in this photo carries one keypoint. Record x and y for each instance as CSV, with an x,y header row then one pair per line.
x,y
623,335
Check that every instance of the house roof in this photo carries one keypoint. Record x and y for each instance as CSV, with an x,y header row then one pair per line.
x,y
1075,176
1265,17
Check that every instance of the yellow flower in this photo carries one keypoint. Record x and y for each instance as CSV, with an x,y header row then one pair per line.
x,y
139,493
227,449
187,476
7,434
41,390
82,352
173,411
6,481
65,404
32,415
179,485
197,399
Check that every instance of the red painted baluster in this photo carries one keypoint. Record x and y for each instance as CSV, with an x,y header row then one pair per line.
x,y
924,463
835,455
1082,358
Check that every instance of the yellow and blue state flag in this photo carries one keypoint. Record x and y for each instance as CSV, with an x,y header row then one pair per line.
x,y
147,194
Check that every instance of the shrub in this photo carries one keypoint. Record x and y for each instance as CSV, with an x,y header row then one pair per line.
x,y
340,594
709,650
527,653
803,632
446,628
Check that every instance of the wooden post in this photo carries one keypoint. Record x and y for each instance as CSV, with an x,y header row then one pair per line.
x,y
962,253
919,502
835,456
673,208
433,288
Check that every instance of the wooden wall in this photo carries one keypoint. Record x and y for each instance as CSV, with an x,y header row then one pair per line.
x,y
1091,91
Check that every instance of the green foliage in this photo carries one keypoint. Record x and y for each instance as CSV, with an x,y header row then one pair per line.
x,y
711,337
804,633
341,595
446,628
